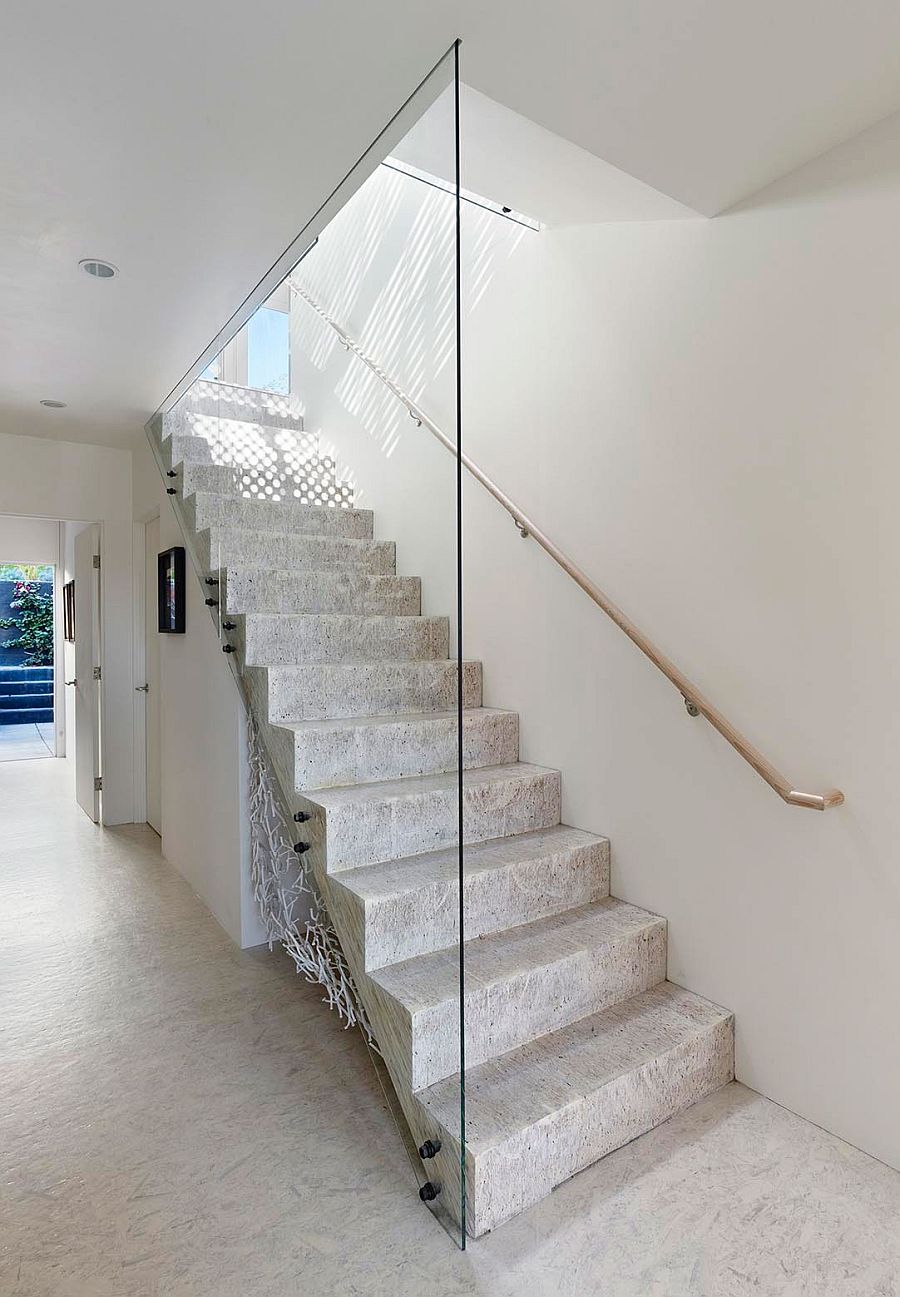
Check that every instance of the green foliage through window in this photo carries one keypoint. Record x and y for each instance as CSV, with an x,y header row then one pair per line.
x,y
34,622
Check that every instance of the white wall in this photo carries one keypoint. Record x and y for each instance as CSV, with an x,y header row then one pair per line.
x,y
28,540
703,414
203,745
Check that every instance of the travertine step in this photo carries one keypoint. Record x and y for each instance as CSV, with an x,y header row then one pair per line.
x,y
402,817
271,638
282,590
275,481
237,441
222,400
235,546
250,450
203,509
320,690
366,749
520,984
540,1114
410,907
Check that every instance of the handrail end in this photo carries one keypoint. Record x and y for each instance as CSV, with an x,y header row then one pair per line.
x,y
816,801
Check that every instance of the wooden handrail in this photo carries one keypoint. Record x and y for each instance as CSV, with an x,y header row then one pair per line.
x,y
696,703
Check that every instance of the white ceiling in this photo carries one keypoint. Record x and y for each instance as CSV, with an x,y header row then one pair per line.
x,y
188,143
514,162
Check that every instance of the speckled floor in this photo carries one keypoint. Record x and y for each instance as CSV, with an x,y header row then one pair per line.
x,y
25,742
179,1119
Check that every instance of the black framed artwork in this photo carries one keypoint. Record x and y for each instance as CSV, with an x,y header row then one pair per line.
x,y
69,611
171,591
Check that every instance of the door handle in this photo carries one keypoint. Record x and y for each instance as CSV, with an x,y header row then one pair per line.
x,y
142,689
71,682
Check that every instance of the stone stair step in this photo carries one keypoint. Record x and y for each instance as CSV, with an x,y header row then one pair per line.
x,y
282,590
367,749
410,906
323,690
311,481
26,716
403,817
235,546
204,509
224,400
27,676
520,984
248,442
538,1115
272,638
21,700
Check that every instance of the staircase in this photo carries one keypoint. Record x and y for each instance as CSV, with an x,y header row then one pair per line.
x,y
575,1041
26,695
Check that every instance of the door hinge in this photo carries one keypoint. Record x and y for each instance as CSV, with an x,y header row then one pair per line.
x,y
97,675
98,783
96,560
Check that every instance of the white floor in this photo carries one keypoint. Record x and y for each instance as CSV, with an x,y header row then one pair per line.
x,y
25,742
179,1119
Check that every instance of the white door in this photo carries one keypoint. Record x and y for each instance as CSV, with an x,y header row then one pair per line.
x,y
87,662
154,811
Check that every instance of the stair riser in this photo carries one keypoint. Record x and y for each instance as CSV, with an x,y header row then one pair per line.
x,y
257,590
517,1010
232,548
271,640
524,1170
267,463
364,833
318,691
25,679
328,759
23,700
241,404
313,482
417,922
30,716
206,510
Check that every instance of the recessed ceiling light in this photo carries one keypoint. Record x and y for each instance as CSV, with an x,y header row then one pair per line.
x,y
99,269
54,405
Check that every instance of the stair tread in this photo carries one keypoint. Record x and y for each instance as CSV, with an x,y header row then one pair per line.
x,y
340,724
377,664
396,877
420,785
507,1095
245,567
403,618
426,980
281,511
249,533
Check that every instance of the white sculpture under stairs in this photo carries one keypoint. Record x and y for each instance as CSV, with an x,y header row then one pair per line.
x,y
575,1041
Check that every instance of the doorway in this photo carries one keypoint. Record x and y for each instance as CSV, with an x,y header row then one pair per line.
x,y
27,660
